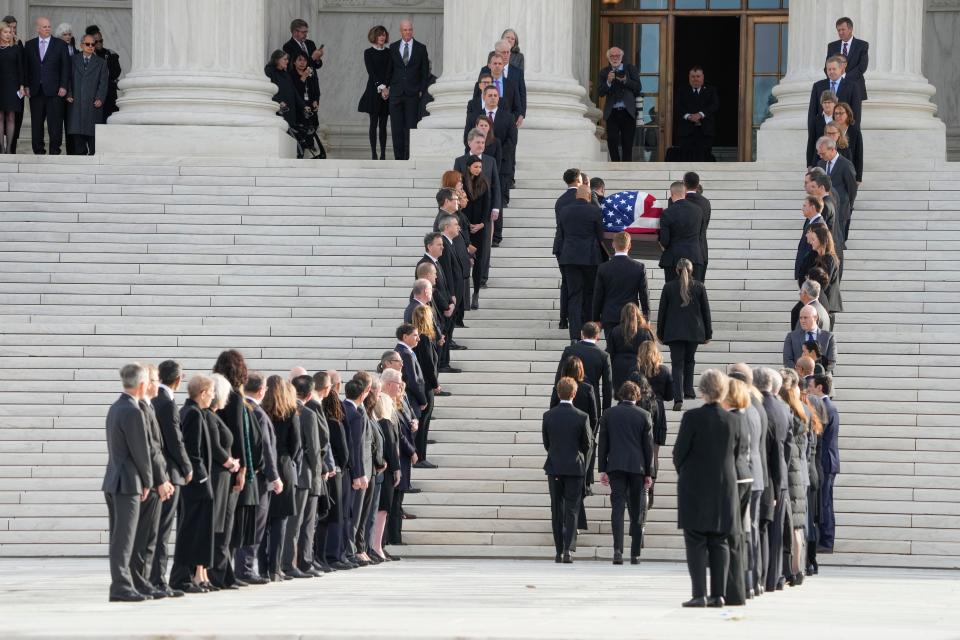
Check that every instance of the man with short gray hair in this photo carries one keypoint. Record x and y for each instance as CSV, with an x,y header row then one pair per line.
x,y
774,512
844,177
476,143
127,480
619,83
809,296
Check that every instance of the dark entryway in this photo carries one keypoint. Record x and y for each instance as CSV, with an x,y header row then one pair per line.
x,y
714,44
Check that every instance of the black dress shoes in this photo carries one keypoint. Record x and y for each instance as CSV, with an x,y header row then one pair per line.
x,y
276,578
678,406
293,572
449,369
456,346
567,559
563,324
413,490
617,558
634,559
172,593
695,602
192,588
240,583
209,587
442,394
431,441
690,396
342,566
255,580
130,596
475,302
157,594
716,602
495,244
558,559
780,584
424,464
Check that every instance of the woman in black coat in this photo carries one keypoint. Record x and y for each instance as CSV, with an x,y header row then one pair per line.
x,y
824,256
224,466
843,117
707,500
281,406
375,100
291,103
649,366
12,81
683,323
477,211
624,342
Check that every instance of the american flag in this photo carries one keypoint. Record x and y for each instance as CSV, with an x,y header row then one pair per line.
x,y
631,211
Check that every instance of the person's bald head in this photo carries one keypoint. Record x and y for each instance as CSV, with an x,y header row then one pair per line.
x,y
678,191
406,29
43,27
296,372
805,366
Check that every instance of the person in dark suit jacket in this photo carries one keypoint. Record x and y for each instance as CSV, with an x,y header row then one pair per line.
x,y
360,461
843,176
128,478
815,127
625,461
855,50
407,339
694,194
311,480
299,43
619,83
567,440
504,127
596,363
697,106
846,89
621,280
581,251
707,499
410,66
457,256
572,179
683,323
508,88
48,79
179,469
585,400
811,208
808,330
476,143
779,441
513,74
821,386
817,183
681,225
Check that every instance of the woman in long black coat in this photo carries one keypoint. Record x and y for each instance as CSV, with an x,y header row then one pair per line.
x,y
707,500
623,343
477,212
290,103
844,118
683,323
281,406
375,100
12,81
824,256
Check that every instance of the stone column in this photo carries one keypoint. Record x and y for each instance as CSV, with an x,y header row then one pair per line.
x,y
899,119
555,125
197,86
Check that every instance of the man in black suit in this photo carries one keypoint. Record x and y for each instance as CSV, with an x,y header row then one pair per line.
x,y
179,469
811,208
459,256
48,77
619,281
508,88
779,439
697,107
572,179
476,143
843,175
846,89
299,44
821,387
694,194
680,230
355,391
422,294
311,479
475,105
127,480
515,76
443,294
504,129
568,441
411,72
818,184
625,459
620,84
581,251
856,52
596,363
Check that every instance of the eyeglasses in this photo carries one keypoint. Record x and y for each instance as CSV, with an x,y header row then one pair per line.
x,y
88,44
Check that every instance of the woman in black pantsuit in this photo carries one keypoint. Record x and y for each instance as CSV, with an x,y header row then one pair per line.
x,y
12,80
478,215
280,403
824,256
707,500
624,342
683,323
194,550
375,100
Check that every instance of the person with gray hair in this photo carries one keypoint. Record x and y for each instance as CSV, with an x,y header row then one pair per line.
x,y
707,497
619,82
476,143
809,296
775,501
844,177
127,480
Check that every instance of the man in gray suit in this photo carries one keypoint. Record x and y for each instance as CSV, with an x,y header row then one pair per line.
x,y
127,480
793,343
619,82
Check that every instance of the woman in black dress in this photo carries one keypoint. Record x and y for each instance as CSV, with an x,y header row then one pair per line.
x,y
824,256
12,79
843,117
624,342
683,323
376,96
478,215
224,465
280,403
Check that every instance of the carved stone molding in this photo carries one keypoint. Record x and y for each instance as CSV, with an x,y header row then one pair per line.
x,y
381,6
943,5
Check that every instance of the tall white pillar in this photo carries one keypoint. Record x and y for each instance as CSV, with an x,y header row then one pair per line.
x,y
899,119
555,125
197,86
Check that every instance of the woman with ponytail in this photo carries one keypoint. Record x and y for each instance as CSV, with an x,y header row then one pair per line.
x,y
683,323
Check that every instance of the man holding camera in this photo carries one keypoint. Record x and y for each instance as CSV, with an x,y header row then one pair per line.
x,y
620,84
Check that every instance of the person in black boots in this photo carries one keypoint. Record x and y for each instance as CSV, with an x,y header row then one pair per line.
x,y
375,100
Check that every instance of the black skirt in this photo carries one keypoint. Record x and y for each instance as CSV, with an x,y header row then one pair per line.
x,y
195,526
221,483
387,491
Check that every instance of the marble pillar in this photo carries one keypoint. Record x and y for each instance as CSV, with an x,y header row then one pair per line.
x,y
899,119
556,124
197,85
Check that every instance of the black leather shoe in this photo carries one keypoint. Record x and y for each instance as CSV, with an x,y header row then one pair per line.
x,y
192,588
483,285
209,587
172,593
690,396
716,602
424,464
413,490
475,302
240,583
362,563
558,559
375,559
277,578
563,325
695,602
255,580
342,566
132,596
457,347
158,594
449,369
678,406
391,557
567,559
617,558
442,394
780,583
459,324
634,559
431,441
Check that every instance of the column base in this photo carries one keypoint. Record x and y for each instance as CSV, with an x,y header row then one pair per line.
x,y
195,140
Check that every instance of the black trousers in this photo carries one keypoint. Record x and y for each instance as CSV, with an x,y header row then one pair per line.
x,y
753,542
378,124
626,489
221,571
354,523
404,111
81,145
168,511
292,534
271,546
564,296
580,279
308,531
736,590
705,547
696,147
394,532
566,492
620,131
682,362
123,512
246,556
361,540
779,524
145,542
423,428
827,518
335,545
17,125
47,109
505,196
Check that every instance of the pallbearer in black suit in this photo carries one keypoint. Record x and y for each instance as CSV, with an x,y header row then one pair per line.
x,y
620,281
707,501
48,78
620,84
581,252
697,107
694,194
128,478
179,468
572,179
855,50
567,439
625,461
410,72
596,363
681,226
846,89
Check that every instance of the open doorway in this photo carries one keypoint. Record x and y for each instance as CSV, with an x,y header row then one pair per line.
x,y
714,44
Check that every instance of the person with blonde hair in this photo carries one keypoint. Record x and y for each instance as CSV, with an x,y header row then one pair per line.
x,y
12,85
683,323
798,474
280,404
388,420
737,402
